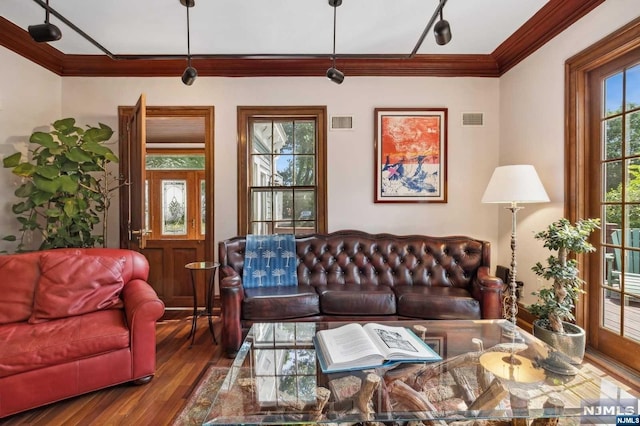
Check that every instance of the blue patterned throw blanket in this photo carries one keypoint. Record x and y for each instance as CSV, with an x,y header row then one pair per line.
x,y
270,261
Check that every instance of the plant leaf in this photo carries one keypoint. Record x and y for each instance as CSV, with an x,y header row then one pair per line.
x,y
12,161
67,184
24,169
65,125
46,185
70,207
68,140
44,139
25,190
110,156
94,134
21,207
48,172
78,155
40,198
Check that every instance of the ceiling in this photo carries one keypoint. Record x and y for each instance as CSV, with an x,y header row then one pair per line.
x,y
373,37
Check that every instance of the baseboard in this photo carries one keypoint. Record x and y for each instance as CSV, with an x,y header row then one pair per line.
x,y
620,372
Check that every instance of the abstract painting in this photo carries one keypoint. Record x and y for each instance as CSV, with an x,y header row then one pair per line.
x,y
411,155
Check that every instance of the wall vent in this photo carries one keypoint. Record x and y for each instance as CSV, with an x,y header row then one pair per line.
x,y
342,122
474,119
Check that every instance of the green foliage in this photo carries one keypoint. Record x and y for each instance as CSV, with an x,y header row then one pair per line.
x,y
300,169
632,191
66,186
555,304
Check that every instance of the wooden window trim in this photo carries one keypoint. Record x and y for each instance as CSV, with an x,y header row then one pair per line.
x,y
245,113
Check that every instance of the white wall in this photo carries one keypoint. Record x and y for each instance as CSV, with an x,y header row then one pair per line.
x,y
473,152
532,127
30,99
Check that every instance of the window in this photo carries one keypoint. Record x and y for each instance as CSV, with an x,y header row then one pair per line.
x,y
282,174
175,196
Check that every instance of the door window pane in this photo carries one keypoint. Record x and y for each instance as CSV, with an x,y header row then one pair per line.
x,y
174,207
613,137
632,89
174,162
612,181
613,95
632,133
632,190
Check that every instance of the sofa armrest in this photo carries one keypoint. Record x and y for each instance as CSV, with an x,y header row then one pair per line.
x,y
142,309
231,296
488,290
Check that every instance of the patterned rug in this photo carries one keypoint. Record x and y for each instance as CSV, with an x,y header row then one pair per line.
x,y
197,407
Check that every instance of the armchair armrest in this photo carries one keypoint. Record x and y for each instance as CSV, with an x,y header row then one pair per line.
x,y
142,309
231,296
488,290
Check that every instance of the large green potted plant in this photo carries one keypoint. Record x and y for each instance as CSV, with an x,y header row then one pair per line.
x,y
556,303
66,186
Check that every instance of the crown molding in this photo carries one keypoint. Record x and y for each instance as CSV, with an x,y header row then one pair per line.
x,y
548,22
555,17
15,38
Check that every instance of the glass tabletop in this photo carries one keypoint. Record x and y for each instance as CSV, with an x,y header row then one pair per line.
x,y
487,373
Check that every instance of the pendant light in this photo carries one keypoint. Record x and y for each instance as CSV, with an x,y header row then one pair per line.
x,y
442,31
333,73
190,73
42,33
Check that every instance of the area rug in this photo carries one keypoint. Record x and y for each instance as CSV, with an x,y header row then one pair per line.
x,y
198,405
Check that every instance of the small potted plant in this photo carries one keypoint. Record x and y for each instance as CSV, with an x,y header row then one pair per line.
x,y
556,303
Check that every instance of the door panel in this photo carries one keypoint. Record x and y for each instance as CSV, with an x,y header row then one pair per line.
x,y
137,179
169,277
614,180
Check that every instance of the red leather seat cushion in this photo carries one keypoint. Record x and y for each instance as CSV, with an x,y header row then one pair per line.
x,y
356,299
25,347
18,278
74,285
436,302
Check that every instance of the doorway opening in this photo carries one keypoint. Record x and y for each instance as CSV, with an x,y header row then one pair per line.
x,y
166,208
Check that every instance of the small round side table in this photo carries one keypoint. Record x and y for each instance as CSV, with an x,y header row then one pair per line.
x,y
194,267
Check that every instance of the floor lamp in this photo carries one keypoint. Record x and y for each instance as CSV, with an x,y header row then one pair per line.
x,y
513,185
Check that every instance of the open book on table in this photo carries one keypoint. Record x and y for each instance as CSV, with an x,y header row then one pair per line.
x,y
357,347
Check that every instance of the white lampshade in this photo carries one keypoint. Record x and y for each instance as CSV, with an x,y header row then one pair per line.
x,y
515,184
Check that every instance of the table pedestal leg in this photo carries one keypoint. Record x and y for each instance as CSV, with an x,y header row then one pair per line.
x,y
194,320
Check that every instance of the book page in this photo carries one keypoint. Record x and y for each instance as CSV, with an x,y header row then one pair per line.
x,y
347,343
398,342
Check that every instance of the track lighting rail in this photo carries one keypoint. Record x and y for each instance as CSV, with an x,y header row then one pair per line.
x,y
125,57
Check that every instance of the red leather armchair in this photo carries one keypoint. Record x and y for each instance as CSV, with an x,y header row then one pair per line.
x,y
73,321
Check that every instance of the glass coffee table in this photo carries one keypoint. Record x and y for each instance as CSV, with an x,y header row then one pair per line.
x,y
488,372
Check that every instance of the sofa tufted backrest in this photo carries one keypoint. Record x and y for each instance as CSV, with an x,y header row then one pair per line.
x,y
357,257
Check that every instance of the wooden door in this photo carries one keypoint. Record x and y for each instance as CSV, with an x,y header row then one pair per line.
x,y
167,255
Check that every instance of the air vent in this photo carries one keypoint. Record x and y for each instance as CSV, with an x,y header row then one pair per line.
x,y
474,119
342,122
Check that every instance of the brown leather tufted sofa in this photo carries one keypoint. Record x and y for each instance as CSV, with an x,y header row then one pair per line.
x,y
355,276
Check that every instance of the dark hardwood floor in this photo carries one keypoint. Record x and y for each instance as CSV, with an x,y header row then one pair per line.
x,y
178,370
